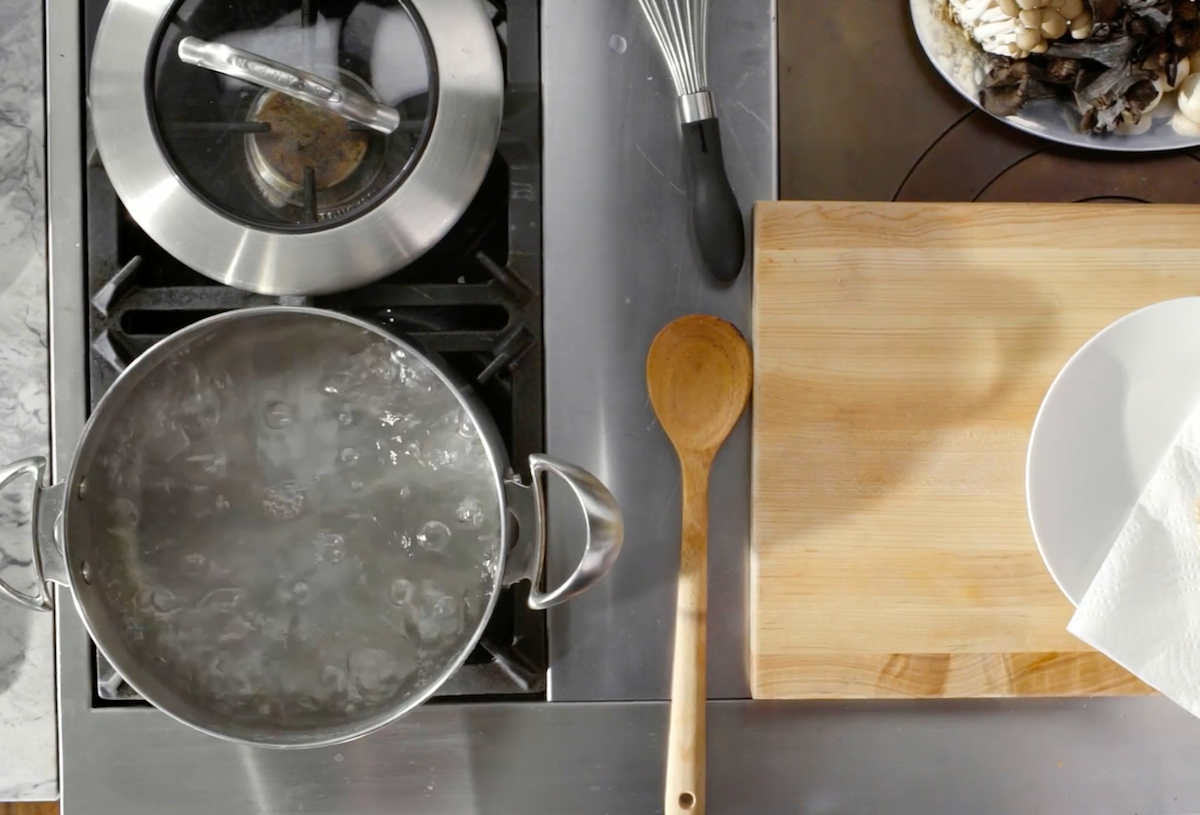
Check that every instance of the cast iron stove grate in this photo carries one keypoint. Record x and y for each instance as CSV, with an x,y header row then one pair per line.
x,y
475,298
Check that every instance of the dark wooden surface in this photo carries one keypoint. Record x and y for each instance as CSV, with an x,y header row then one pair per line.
x,y
40,808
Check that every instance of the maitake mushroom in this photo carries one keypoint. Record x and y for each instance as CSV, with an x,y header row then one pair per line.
x,y
1018,28
1124,60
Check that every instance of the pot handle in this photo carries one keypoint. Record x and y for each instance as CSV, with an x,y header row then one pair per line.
x,y
605,530
47,562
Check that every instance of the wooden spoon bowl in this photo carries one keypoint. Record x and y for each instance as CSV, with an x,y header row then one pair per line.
x,y
699,373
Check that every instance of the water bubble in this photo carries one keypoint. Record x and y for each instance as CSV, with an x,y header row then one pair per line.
x,y
375,404
334,678
405,491
300,593
445,607
474,458
306,629
402,592
222,503
349,456
283,502
236,630
441,458
418,379
405,421
124,512
371,667
159,600
438,616
277,415
331,547
337,384
346,416
356,485
276,629
470,511
434,536
163,601
208,464
617,43
221,598
193,564
168,442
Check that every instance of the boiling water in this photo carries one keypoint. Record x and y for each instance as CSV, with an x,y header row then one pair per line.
x,y
300,527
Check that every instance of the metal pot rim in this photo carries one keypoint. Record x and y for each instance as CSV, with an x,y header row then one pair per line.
x,y
399,229
117,396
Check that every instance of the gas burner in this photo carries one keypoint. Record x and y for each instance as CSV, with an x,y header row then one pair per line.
x,y
311,158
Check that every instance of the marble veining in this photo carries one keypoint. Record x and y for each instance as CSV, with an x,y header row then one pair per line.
x,y
28,746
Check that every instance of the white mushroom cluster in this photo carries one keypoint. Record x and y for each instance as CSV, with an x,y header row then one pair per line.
x,y
1185,113
1018,28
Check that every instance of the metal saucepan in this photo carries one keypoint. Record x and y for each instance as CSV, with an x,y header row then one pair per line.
x,y
287,527
287,149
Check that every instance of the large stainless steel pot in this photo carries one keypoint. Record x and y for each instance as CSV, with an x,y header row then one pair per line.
x,y
314,611
195,211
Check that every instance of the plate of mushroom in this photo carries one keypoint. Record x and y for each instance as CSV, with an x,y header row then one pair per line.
x,y
1120,75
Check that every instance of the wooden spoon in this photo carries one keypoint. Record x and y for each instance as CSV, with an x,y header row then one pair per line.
x,y
698,373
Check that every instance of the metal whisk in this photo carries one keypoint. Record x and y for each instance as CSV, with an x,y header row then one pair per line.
x,y
681,29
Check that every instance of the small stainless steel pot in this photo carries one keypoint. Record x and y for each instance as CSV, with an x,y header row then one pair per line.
x,y
72,544
467,102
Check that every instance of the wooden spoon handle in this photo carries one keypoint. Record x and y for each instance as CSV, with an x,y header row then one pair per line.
x,y
686,743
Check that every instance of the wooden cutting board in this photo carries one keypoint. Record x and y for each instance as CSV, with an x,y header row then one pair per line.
x,y
901,353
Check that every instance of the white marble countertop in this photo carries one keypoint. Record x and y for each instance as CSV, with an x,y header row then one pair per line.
x,y
28,732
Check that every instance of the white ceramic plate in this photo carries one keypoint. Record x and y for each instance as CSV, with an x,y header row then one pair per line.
x,y
962,63
1104,425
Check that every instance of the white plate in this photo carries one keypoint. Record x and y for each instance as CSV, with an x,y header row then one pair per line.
x,y
1103,427
963,64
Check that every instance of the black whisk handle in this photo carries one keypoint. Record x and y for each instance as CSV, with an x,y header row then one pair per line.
x,y
716,217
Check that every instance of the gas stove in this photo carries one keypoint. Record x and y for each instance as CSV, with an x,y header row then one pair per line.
x,y
474,299
605,185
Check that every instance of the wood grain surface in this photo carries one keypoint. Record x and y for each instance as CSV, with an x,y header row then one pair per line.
x,y
698,375
901,353
29,808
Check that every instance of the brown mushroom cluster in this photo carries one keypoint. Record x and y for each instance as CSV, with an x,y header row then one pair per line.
x,y
1114,64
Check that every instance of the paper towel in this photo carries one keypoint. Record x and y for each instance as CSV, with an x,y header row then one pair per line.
x,y
1143,608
